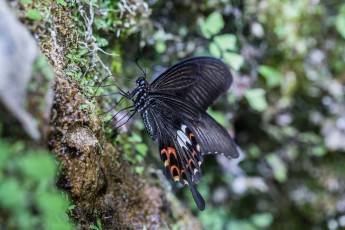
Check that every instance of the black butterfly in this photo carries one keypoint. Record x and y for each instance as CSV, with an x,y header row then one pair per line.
x,y
173,108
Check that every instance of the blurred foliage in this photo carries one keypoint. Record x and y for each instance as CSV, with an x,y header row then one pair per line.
x,y
286,107
222,45
28,196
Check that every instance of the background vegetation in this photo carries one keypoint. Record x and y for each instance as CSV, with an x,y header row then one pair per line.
x,y
285,109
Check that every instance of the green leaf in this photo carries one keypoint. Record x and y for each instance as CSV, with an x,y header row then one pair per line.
x,y
26,1
139,169
234,60
5,153
93,227
310,138
214,219
218,116
102,42
319,151
226,41
273,77
214,50
256,99
231,98
262,220
340,21
99,224
34,14
12,196
39,167
254,151
61,2
212,25
141,148
52,206
81,52
160,46
204,30
240,225
71,207
279,169
135,138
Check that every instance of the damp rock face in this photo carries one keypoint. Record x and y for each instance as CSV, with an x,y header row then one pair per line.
x,y
98,178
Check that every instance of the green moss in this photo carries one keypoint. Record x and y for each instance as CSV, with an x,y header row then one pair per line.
x,y
26,1
34,14
62,2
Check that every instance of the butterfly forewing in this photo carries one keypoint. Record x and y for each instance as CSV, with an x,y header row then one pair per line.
x,y
200,80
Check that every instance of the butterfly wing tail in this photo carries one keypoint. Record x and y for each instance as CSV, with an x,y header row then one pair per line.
x,y
200,202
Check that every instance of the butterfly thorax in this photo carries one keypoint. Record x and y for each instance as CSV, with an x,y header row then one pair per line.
x,y
139,95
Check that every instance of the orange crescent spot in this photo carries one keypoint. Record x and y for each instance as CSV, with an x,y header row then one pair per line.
x,y
164,152
171,151
178,172
191,135
191,160
194,153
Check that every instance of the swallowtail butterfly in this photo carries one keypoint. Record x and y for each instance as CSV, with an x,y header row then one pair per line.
x,y
173,109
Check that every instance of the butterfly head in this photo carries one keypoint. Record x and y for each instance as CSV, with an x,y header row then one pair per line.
x,y
141,82
139,94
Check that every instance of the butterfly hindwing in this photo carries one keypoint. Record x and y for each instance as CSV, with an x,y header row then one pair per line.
x,y
182,161
179,149
177,141
213,137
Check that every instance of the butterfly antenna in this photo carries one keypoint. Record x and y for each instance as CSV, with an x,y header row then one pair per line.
x,y
137,62
123,93
141,54
123,78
